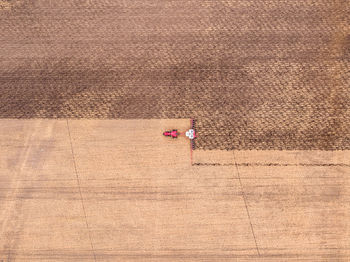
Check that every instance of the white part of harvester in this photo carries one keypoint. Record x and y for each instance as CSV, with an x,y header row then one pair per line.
x,y
190,134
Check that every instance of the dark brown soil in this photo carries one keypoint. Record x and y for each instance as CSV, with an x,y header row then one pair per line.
x,y
254,74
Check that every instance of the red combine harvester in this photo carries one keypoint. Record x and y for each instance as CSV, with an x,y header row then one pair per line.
x,y
191,134
173,133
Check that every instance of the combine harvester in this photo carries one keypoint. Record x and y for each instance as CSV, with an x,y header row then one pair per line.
x,y
191,133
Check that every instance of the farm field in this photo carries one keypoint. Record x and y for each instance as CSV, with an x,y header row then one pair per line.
x,y
87,88
117,190
267,75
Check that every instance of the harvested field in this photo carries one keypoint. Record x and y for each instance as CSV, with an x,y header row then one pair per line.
x,y
254,74
116,190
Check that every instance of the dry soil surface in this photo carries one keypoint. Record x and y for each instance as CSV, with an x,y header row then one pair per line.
x,y
117,190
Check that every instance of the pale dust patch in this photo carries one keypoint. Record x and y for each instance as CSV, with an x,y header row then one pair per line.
x,y
5,5
8,4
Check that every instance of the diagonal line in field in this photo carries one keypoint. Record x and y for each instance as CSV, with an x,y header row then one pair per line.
x,y
81,195
245,203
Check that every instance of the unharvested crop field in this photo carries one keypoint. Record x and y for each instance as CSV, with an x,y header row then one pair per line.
x,y
87,87
254,74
